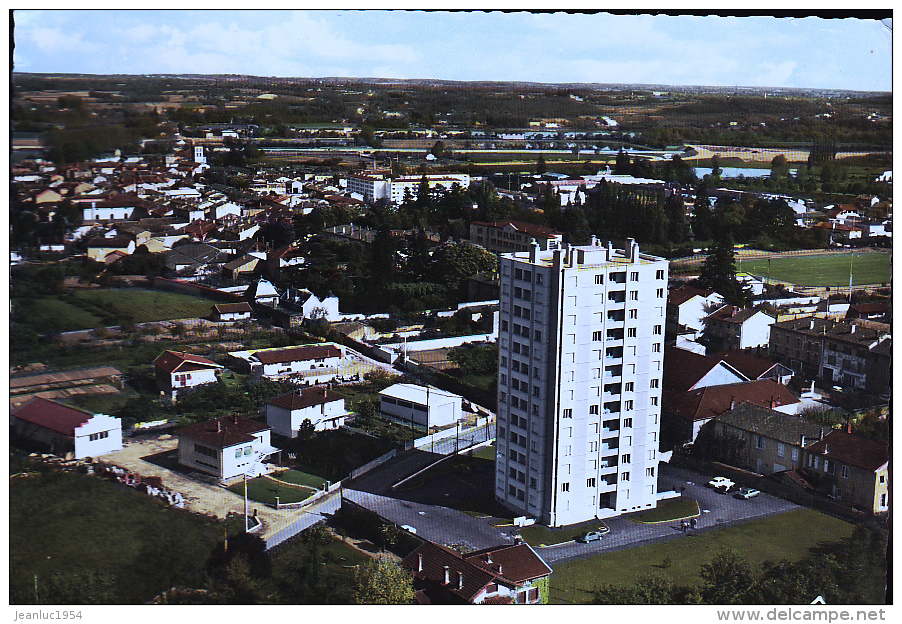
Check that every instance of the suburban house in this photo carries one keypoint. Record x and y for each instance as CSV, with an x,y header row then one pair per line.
x,y
850,469
310,305
100,248
223,312
263,292
766,441
687,370
244,265
507,236
119,208
313,363
732,328
754,366
226,447
501,575
684,413
178,373
687,306
66,431
421,406
323,408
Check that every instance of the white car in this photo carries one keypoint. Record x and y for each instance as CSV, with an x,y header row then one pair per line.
x,y
409,528
720,483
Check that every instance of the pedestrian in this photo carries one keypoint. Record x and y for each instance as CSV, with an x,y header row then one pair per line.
x,y
683,525
693,523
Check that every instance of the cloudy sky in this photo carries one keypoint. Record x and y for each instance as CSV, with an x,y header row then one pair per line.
x,y
809,52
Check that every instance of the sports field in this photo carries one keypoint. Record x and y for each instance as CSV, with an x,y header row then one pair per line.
x,y
867,268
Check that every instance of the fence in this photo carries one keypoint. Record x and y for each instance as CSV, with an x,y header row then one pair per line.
x,y
373,464
464,438
328,503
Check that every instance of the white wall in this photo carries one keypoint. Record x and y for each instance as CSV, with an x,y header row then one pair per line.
x,y
323,417
99,423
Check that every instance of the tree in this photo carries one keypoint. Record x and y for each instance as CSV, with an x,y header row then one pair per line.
x,y
541,167
716,170
239,585
726,579
382,581
703,216
438,150
452,263
719,270
779,168
306,430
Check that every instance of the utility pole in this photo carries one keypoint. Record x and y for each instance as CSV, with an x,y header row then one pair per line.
x,y
245,503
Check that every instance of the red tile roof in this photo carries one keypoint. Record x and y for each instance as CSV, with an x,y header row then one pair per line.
x,y
710,402
848,448
224,432
752,366
231,308
297,354
172,361
684,293
52,415
683,369
469,574
305,398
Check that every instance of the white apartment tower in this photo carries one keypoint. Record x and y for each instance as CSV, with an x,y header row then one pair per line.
x,y
579,382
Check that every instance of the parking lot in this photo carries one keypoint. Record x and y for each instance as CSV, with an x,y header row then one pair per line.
x,y
444,525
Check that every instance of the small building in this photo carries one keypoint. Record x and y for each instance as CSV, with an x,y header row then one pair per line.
x,y
223,312
66,431
421,406
510,574
100,248
850,469
507,236
178,373
314,363
729,328
687,307
226,447
764,440
323,408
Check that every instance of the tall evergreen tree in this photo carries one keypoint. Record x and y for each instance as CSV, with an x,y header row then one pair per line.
x,y
719,270
701,225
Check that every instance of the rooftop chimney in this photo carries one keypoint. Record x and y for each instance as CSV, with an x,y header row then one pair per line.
x,y
802,442
447,575
218,426
460,580
849,427
488,557
419,562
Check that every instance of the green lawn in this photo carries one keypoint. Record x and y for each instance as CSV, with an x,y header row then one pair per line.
x,y
784,536
265,491
485,452
297,477
828,270
50,315
537,535
666,511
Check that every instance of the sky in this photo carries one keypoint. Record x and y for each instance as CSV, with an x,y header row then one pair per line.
x,y
758,51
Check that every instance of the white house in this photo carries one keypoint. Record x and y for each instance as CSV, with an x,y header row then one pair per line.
x,y
732,328
263,292
312,306
67,431
323,408
687,307
314,363
178,373
226,447
423,406
231,311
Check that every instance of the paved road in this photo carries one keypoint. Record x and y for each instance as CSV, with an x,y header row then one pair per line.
x,y
716,510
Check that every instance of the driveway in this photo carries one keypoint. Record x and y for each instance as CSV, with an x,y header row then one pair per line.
x,y
158,456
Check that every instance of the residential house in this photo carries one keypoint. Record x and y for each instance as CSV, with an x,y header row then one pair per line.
x,y
313,363
245,265
753,365
194,259
851,469
66,431
262,292
323,408
223,312
179,373
511,574
684,413
687,307
310,305
509,236
119,208
755,437
732,328
100,248
420,406
842,353
226,447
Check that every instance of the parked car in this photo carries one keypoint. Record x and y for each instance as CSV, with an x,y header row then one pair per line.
x,y
746,493
409,528
720,483
593,536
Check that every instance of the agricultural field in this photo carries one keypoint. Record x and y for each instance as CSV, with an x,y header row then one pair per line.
x,y
830,269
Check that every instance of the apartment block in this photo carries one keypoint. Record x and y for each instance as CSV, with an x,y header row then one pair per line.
x,y
580,368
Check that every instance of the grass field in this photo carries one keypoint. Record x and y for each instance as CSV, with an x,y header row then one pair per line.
x,y
783,536
826,270
266,490
114,544
666,511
